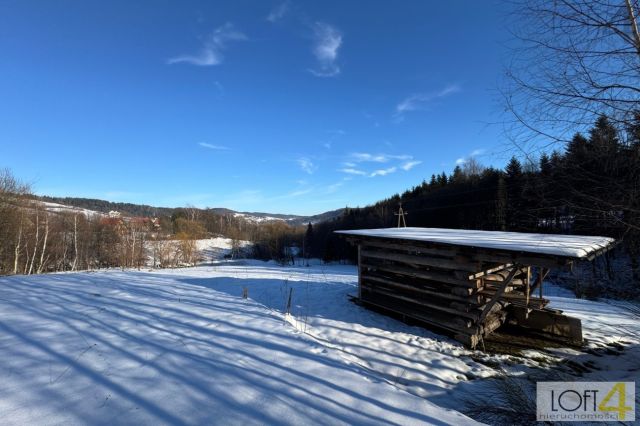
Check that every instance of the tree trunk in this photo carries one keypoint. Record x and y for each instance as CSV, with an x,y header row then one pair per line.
x,y
16,254
35,245
75,242
44,244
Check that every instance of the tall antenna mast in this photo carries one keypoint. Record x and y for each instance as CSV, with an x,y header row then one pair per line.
x,y
401,214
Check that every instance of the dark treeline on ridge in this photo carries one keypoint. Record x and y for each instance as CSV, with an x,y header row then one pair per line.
x,y
591,188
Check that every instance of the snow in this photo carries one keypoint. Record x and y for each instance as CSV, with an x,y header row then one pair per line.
x,y
55,207
216,248
260,219
575,246
183,347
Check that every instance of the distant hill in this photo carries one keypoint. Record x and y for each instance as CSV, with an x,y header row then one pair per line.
x,y
130,209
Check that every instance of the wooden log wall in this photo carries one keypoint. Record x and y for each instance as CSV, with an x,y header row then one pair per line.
x,y
443,288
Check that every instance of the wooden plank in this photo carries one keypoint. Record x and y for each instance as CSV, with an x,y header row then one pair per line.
x,y
451,323
490,271
410,259
359,272
428,275
435,286
499,293
480,254
471,315
468,299
548,322
542,274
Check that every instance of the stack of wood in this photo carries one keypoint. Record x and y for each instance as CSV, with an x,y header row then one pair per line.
x,y
468,281
463,293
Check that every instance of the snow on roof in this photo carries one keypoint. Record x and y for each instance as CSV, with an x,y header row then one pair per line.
x,y
575,246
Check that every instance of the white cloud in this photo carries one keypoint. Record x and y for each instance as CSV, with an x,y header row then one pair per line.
x,y
211,146
213,47
278,12
419,101
476,152
383,172
410,165
361,157
328,40
352,171
306,165
333,188
357,162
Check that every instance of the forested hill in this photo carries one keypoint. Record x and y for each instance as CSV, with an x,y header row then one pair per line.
x,y
593,187
104,206
143,210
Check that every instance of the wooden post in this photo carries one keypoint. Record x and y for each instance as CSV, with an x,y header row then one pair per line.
x,y
288,311
359,272
527,289
499,293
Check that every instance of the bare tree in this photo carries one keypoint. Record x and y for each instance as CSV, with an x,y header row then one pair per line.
x,y
572,61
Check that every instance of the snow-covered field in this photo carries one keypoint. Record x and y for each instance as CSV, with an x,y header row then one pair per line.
x,y
183,347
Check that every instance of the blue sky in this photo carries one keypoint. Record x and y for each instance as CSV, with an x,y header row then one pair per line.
x,y
286,107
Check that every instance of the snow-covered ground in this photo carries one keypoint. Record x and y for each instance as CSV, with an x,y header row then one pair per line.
x,y
211,249
180,347
61,208
183,347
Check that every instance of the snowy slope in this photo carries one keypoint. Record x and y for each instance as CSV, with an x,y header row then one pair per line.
x,y
182,347
61,208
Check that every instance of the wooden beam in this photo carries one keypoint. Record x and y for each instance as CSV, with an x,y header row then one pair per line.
x,y
548,322
489,271
542,274
427,275
465,299
499,293
359,272
410,259
479,254
471,315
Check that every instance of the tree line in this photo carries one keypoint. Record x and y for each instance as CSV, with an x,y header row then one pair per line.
x,y
35,238
591,188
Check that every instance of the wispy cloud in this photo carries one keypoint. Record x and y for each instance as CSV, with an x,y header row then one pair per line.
x,y
333,188
383,172
410,165
352,171
306,165
215,147
327,42
356,164
278,12
418,101
360,157
476,152
213,47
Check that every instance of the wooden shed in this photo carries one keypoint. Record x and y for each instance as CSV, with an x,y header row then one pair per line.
x,y
469,282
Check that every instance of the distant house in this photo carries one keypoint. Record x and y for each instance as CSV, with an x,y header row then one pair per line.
x,y
115,214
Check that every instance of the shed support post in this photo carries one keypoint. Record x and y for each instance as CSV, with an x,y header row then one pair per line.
x,y
359,273
542,274
498,293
